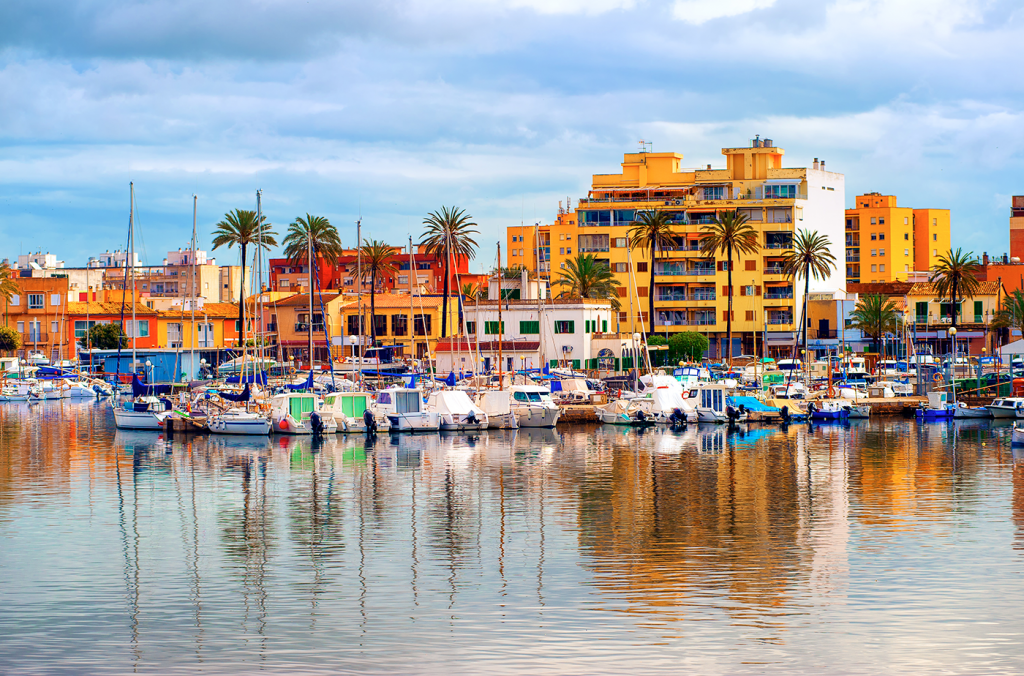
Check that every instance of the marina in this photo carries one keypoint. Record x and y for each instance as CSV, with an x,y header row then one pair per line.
x,y
579,549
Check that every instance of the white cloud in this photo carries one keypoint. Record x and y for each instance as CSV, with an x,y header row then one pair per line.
x,y
701,11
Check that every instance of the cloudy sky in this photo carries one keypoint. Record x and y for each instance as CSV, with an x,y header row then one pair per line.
x,y
392,108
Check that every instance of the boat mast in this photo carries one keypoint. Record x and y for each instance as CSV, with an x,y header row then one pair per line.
x,y
412,316
540,317
501,377
359,294
192,334
309,326
131,257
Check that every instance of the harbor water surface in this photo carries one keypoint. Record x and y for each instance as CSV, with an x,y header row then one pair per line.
x,y
877,547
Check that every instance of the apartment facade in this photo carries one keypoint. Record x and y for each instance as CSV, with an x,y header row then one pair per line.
x,y
887,243
39,313
412,323
691,289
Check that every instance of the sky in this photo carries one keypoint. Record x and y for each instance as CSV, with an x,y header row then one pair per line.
x,y
388,110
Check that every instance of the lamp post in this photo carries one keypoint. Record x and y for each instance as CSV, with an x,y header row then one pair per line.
x,y
952,363
149,371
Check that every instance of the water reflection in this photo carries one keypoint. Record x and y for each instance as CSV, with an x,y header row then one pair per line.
x,y
416,553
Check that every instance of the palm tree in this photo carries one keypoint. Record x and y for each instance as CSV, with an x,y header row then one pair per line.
x,y
652,232
241,227
955,277
729,233
810,257
8,287
471,292
875,315
449,235
378,263
585,277
1011,315
316,231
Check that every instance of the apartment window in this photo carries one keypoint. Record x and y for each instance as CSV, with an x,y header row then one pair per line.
x,y
935,222
906,252
881,221
520,252
21,326
874,268
881,235
620,267
641,267
750,315
881,268
470,328
906,268
513,252
15,299
421,325
751,265
403,279
561,251
494,328
54,327
355,325
881,252
906,236
623,291
561,236
565,327
874,236
873,221
568,251
35,301
874,252
935,237
935,252
55,299
399,325
620,242
531,328
82,327
380,325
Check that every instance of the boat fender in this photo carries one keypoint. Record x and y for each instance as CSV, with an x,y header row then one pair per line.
x,y
937,377
283,424
291,371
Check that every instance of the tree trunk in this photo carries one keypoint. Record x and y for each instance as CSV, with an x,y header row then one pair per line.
x,y
728,314
650,296
241,301
373,308
444,298
807,289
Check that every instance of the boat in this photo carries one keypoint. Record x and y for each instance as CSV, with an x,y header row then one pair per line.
x,y
300,413
668,407
939,407
827,411
456,411
857,411
712,406
963,411
624,412
349,409
405,411
497,404
1017,435
239,421
534,406
145,412
244,364
1007,407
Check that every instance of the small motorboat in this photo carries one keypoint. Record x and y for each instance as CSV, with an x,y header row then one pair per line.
x,y
938,407
1017,435
858,411
962,411
239,421
827,411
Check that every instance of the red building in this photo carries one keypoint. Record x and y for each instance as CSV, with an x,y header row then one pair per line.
x,y
286,276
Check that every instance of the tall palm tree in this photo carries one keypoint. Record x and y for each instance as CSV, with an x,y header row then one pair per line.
x,y
586,277
1011,314
652,232
471,292
729,233
448,236
810,257
875,315
8,287
378,263
316,231
241,227
955,277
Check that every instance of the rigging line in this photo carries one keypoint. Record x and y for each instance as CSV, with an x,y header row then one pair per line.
x,y
124,288
324,317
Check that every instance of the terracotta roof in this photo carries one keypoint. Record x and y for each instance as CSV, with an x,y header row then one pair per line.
x,y
467,345
226,310
927,289
97,308
301,299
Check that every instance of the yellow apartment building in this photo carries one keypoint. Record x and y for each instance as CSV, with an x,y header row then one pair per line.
x,y
886,242
416,336
691,290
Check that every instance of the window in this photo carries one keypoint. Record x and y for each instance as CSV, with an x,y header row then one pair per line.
x,y
906,220
620,267
750,315
35,301
751,265
403,279
881,221
935,222
21,327
935,252
641,291
906,252
881,252
15,299
493,328
874,268
874,236
906,268
513,252
82,327
881,235
399,325
592,243
471,328
565,327
641,267
620,242
520,252
717,192
881,268
144,328
568,251
772,192
561,236
561,251
380,325
874,221
421,325
55,299
906,236
355,325
531,328
935,237
54,327
874,252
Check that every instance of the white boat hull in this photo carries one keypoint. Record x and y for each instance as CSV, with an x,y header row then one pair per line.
x,y
1004,412
357,426
537,416
414,422
139,420
963,412
1017,436
502,421
255,425
289,425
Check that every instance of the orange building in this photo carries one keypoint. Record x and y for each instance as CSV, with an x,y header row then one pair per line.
x,y
1017,227
82,316
886,243
39,312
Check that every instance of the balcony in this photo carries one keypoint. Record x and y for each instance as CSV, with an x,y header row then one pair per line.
x,y
35,337
774,270
779,244
779,318
702,321
853,258
301,327
852,241
779,295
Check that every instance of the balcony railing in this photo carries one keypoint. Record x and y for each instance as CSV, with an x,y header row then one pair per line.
x,y
778,295
672,298
697,321
853,258
788,244
703,296
775,319
593,249
35,337
301,327
774,270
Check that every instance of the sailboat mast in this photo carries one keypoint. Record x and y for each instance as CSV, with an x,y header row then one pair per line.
x,y
501,377
309,257
540,317
131,257
192,339
359,294
412,316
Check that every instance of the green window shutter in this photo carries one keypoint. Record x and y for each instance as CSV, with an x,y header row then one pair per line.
x,y
575,363
922,309
586,326
604,326
618,364
553,363
529,327
979,308
572,327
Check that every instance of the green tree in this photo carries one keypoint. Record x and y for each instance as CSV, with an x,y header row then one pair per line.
x,y
241,227
955,277
106,336
875,315
1011,314
729,233
448,236
315,232
658,357
471,292
8,287
586,277
10,340
378,263
810,257
651,232
688,345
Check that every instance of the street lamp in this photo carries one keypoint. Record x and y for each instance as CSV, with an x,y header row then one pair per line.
x,y
952,338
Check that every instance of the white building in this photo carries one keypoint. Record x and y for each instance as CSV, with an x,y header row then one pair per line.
x,y
117,259
39,261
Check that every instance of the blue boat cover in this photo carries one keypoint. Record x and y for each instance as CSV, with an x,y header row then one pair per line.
x,y
243,396
260,378
751,404
308,385
139,389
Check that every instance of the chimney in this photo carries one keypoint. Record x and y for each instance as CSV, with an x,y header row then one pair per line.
x,y
823,165
709,167
984,258
817,165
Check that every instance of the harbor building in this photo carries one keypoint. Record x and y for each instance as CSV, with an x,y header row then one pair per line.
x,y
888,243
691,290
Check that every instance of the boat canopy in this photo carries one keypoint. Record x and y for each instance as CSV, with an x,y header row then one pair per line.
x,y
496,402
453,401
242,396
140,389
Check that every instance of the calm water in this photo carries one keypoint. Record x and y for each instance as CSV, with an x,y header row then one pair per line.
x,y
880,547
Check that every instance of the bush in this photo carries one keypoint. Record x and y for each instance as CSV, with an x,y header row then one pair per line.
x,y
106,336
688,346
10,340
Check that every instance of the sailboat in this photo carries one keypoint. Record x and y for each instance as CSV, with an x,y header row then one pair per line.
x,y
145,409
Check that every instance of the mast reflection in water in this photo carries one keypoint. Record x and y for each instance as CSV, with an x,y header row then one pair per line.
x,y
876,546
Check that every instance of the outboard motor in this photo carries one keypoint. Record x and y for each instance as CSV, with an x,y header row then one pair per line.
x,y
784,415
641,416
677,419
732,414
471,418
317,423
370,423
